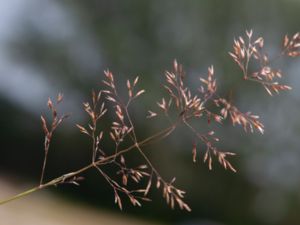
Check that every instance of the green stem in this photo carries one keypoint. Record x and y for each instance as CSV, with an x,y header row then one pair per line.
x,y
21,195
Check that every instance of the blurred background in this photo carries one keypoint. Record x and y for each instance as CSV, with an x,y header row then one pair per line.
x,y
50,46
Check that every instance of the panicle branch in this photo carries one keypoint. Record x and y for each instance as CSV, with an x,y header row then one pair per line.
x,y
48,131
189,107
246,51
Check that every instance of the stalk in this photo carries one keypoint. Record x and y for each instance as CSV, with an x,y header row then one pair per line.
x,y
159,135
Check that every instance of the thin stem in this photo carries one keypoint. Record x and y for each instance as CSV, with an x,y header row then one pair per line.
x,y
164,133
47,145
21,195
260,81
200,136
134,139
94,142
44,167
94,122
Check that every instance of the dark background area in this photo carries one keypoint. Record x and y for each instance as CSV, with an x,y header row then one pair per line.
x,y
48,47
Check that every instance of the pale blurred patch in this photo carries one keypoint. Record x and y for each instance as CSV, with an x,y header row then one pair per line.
x,y
44,208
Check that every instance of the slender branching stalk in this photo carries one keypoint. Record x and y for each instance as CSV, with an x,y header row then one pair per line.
x,y
180,106
56,121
